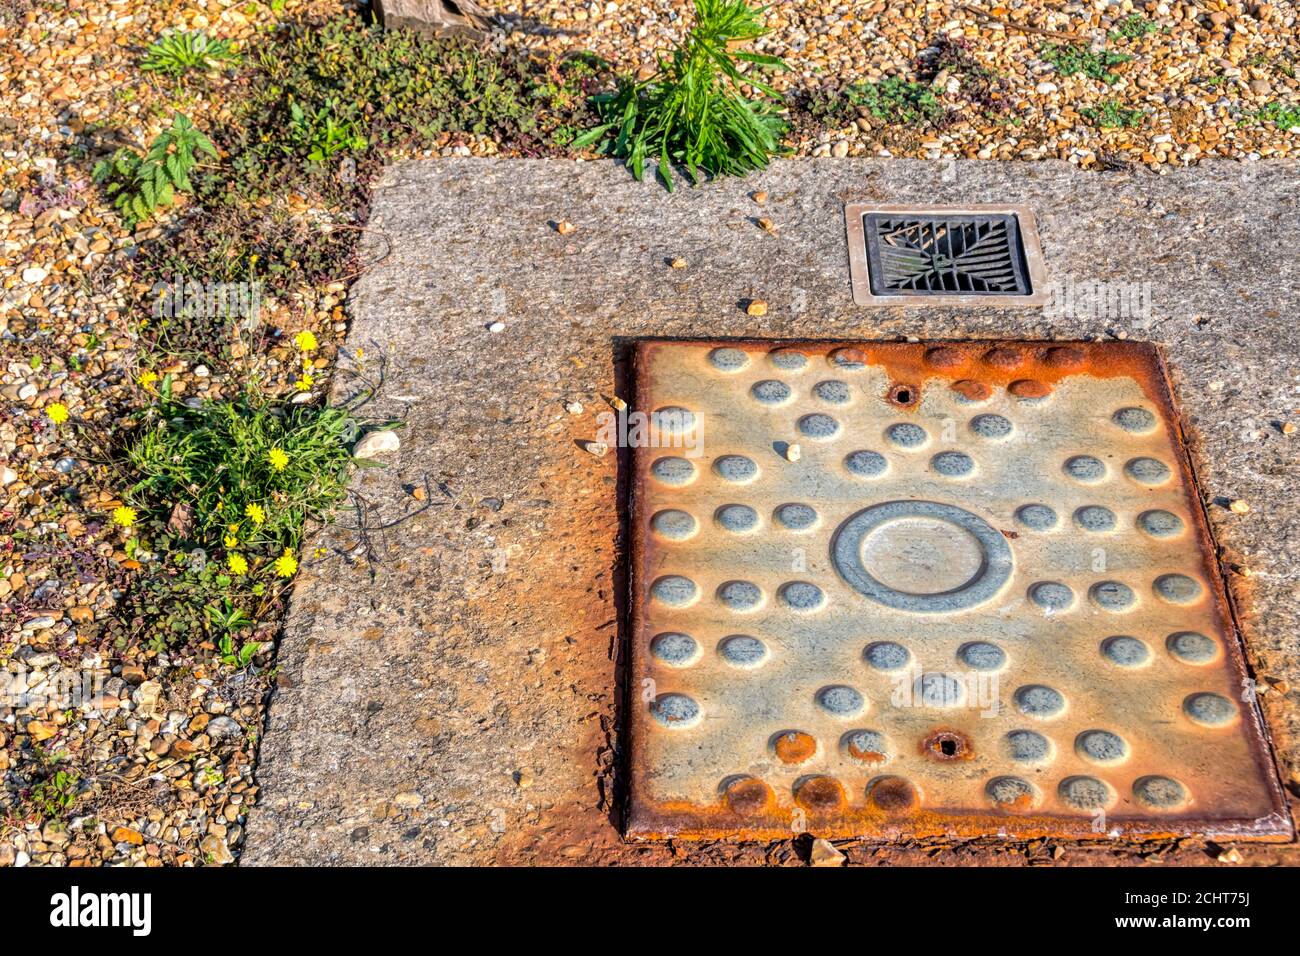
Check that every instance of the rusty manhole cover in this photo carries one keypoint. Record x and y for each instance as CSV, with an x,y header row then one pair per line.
x,y
895,590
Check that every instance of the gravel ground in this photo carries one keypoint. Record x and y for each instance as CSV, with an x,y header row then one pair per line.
x,y
160,749
1199,70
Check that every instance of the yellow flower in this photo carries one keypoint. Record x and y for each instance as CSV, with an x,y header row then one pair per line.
x,y
231,541
255,514
58,412
147,378
306,341
124,516
232,528
304,384
286,565
279,460
237,564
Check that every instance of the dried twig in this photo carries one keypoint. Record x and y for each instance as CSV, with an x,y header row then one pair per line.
x,y
1021,27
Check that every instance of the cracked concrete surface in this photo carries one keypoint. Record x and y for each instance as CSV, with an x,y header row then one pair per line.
x,y
453,699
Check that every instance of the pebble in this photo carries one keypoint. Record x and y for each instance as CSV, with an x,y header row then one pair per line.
x,y
1239,507
377,443
223,728
497,327
824,854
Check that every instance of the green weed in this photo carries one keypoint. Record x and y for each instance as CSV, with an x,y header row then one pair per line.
x,y
1284,116
54,795
1134,27
140,185
895,100
363,94
1111,114
694,111
1069,59
179,53
321,134
248,475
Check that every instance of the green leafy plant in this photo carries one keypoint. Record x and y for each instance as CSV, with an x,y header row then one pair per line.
x,y
896,100
1284,116
693,111
54,796
240,658
1111,114
1133,27
140,185
322,134
227,617
178,53
1069,59
403,92
248,473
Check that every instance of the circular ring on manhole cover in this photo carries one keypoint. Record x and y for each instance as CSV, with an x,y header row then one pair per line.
x,y
921,556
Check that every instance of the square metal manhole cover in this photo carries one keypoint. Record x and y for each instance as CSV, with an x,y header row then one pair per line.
x,y
977,597
971,255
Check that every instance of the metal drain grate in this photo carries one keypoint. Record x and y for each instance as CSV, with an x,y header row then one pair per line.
x,y
892,591
976,255
927,254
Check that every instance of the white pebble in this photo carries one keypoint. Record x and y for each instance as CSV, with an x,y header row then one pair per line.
x,y
497,326
376,443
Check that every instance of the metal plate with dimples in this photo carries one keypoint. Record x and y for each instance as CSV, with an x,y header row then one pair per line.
x,y
918,589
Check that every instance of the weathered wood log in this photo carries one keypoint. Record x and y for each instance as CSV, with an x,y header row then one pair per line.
x,y
439,17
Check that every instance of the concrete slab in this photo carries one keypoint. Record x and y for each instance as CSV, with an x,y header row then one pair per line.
x,y
454,700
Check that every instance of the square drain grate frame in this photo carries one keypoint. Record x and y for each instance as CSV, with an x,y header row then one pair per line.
x,y
971,255
891,590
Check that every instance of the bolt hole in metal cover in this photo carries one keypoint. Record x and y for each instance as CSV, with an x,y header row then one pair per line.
x,y
992,611
971,255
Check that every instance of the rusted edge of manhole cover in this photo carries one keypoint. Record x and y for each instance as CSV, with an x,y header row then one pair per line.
x,y
889,590
978,255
